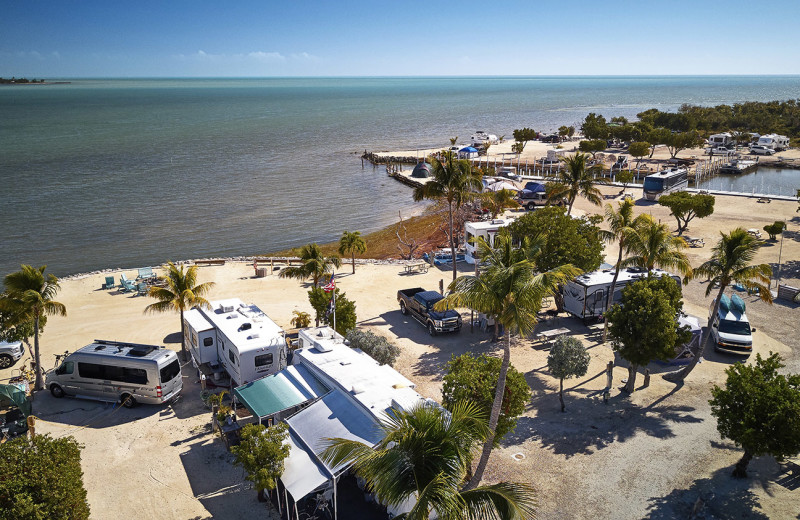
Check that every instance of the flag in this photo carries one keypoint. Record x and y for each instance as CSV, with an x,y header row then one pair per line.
x,y
331,308
331,285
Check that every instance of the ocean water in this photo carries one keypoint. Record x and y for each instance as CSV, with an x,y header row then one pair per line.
x,y
132,172
773,181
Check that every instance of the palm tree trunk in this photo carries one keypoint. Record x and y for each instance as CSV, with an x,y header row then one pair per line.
x,y
561,395
452,241
39,384
740,470
630,386
611,293
494,417
353,260
571,202
676,377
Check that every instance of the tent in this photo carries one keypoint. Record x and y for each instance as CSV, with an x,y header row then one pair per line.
x,y
12,395
422,170
468,152
502,185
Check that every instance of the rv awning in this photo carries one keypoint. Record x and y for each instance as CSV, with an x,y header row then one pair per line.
x,y
289,387
334,416
302,474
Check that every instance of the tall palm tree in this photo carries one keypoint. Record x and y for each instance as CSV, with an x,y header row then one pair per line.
x,y
315,264
498,201
180,294
575,180
454,181
29,296
729,263
425,454
508,288
620,223
652,246
352,242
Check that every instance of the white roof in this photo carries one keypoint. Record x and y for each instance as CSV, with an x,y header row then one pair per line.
x,y
607,276
244,324
302,473
488,225
197,321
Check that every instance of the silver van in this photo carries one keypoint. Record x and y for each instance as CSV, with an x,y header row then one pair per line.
x,y
128,373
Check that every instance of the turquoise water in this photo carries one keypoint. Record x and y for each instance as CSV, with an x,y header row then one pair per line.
x,y
130,172
773,181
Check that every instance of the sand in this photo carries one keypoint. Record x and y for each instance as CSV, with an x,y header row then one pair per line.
x,y
651,454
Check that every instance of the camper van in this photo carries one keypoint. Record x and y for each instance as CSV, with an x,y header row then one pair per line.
x,y
587,295
730,330
774,141
128,373
235,338
485,230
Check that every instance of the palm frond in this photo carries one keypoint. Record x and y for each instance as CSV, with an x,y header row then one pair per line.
x,y
504,500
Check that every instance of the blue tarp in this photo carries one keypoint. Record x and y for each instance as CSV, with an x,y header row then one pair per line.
x,y
468,149
535,187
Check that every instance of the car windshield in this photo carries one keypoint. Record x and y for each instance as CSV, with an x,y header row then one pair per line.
x,y
740,328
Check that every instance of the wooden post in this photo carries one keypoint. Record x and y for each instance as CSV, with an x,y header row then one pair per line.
x,y
646,377
610,374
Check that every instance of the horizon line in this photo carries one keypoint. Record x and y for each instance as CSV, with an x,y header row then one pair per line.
x,y
451,76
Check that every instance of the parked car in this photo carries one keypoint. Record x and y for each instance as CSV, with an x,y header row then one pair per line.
x,y
419,303
758,149
10,353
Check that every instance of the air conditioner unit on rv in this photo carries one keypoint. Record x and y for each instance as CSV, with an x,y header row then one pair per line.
x,y
225,308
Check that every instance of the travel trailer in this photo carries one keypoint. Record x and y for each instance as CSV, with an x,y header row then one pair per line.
x,y
481,137
236,338
666,181
730,329
486,230
128,373
587,295
723,139
774,142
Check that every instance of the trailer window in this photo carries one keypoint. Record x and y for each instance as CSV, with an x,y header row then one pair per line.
x,y
134,375
169,372
90,370
207,342
263,360
232,358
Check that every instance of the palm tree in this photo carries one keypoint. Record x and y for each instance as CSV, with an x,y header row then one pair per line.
x,y
620,223
729,263
454,181
575,180
180,294
652,245
425,455
498,201
315,264
29,296
508,288
352,243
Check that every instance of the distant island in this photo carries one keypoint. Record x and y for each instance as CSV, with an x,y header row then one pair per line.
x,y
26,81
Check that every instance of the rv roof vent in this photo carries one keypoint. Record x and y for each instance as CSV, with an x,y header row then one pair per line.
x,y
100,347
245,326
252,336
497,221
140,351
321,334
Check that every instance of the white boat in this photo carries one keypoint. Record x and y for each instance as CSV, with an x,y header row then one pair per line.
x,y
481,137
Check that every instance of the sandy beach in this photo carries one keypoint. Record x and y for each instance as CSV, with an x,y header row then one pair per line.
x,y
652,454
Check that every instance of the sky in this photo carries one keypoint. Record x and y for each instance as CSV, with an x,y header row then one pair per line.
x,y
176,38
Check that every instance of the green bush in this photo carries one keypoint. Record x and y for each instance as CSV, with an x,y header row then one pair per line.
x,y
41,478
377,347
775,229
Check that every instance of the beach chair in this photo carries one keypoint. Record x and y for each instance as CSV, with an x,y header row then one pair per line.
x,y
145,273
142,289
126,285
109,283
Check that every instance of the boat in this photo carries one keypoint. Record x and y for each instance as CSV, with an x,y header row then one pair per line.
x,y
738,166
481,137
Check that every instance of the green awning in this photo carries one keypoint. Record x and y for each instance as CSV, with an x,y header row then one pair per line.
x,y
290,387
13,395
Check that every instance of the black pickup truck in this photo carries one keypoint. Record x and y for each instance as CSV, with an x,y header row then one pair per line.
x,y
419,303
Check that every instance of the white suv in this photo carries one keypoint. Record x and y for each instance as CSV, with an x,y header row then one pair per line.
x,y
761,150
10,353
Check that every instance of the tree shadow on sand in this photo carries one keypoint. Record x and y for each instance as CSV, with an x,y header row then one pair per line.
x,y
719,496
589,424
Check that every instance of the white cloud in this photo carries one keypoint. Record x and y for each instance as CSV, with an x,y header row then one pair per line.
x,y
266,56
304,56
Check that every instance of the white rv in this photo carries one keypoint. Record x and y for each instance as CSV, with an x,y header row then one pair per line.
x,y
723,139
485,230
234,337
587,295
481,137
774,141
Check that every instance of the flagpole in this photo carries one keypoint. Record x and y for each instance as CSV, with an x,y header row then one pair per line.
x,y
334,309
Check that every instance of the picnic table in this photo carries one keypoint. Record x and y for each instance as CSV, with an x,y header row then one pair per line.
x,y
695,242
417,267
548,336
